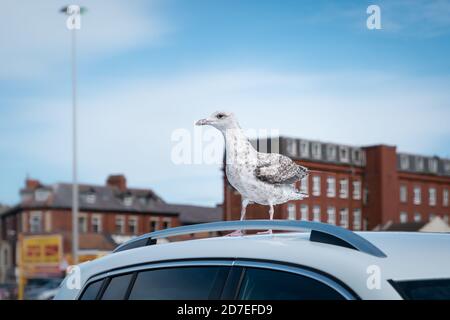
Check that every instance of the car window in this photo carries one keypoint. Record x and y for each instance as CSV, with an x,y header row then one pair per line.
x,y
90,293
265,284
117,287
183,283
424,289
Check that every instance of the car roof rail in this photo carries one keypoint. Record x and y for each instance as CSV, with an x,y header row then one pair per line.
x,y
320,232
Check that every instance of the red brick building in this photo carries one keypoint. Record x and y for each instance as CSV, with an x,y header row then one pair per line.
x,y
108,214
358,188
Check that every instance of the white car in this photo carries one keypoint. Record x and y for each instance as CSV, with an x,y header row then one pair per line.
x,y
328,262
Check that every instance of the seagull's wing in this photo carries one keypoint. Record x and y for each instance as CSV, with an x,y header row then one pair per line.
x,y
275,168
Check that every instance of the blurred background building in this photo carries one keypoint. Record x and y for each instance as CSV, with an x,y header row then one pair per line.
x,y
109,215
360,188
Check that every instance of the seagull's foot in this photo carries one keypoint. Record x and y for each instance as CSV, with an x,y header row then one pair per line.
x,y
237,233
265,232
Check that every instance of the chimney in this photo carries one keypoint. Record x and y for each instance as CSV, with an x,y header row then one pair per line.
x,y
32,183
117,180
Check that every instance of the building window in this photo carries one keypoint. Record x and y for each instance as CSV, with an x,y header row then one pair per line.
x,y
357,219
128,201
344,218
304,149
96,223
331,212
291,212
344,154
403,193
120,225
419,164
403,217
82,223
36,222
404,162
432,196
357,190
431,216
445,197
154,224
42,195
316,150
90,198
291,147
343,188
316,186
417,195
304,212
132,225
432,165
316,213
331,152
447,166
166,223
304,185
331,187
417,217
357,156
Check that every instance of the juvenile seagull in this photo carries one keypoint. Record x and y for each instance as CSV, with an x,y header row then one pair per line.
x,y
263,178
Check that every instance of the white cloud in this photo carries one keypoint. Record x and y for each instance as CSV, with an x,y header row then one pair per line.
x,y
127,128
35,41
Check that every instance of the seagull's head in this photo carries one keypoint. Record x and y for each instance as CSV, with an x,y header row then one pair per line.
x,y
220,120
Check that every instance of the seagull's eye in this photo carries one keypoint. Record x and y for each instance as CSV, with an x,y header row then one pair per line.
x,y
220,116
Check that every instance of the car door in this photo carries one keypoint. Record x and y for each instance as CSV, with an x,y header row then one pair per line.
x,y
275,281
182,280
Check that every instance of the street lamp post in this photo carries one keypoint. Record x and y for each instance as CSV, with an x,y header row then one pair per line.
x,y
73,23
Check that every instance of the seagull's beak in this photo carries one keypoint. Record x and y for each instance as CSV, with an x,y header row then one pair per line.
x,y
202,122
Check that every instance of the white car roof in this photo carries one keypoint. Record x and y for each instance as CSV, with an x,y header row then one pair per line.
x,y
410,256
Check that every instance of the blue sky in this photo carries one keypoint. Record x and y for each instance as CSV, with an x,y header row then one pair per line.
x,y
146,68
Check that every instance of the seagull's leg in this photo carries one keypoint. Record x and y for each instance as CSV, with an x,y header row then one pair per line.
x,y
245,203
271,212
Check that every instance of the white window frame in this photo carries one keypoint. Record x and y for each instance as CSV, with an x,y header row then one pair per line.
x,y
331,152
403,217
291,147
291,211
357,186
133,222
96,220
120,219
156,221
91,198
35,221
343,217
344,154
316,213
419,162
304,149
168,221
403,193
128,201
304,212
316,185
433,165
331,187
304,185
445,196
432,196
357,215
417,192
316,150
41,195
82,227
343,188
404,162
331,213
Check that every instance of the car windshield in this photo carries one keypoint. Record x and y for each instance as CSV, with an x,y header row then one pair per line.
x,y
424,289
